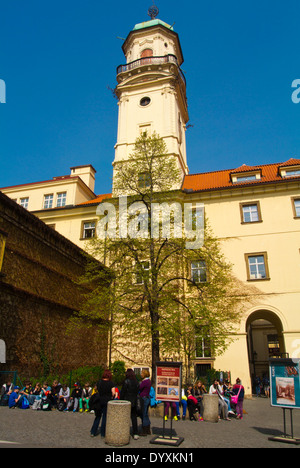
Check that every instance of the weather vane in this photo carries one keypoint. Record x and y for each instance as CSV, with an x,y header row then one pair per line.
x,y
153,11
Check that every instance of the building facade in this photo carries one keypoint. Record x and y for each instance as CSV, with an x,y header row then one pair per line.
x,y
254,211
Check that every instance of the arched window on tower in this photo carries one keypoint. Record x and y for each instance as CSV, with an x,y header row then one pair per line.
x,y
146,56
147,53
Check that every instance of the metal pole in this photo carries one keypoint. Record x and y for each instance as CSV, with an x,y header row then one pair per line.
x,y
164,419
292,428
284,422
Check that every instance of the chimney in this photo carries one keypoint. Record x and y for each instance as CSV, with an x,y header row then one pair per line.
x,y
86,174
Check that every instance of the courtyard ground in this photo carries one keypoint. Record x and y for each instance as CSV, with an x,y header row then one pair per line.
x,y
38,429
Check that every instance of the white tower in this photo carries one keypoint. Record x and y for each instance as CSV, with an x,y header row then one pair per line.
x,y
152,91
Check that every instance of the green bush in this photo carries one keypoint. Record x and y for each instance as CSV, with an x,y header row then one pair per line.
x,y
118,370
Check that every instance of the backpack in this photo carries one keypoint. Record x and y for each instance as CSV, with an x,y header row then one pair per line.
x,y
37,405
94,402
25,403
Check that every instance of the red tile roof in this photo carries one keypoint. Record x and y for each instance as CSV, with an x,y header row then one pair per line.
x,y
96,200
222,179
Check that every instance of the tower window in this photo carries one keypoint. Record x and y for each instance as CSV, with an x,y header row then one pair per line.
x,y
145,101
147,53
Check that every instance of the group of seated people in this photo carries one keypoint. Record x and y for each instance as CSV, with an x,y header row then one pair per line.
x,y
46,397
60,397
192,399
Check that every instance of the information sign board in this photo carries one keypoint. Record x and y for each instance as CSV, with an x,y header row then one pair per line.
x,y
168,381
285,383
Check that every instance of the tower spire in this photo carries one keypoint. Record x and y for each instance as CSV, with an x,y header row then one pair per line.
x,y
153,11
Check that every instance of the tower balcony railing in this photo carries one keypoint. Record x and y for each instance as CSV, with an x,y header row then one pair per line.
x,y
170,58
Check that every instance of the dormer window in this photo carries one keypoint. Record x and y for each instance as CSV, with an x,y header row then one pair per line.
x,y
240,178
244,178
245,174
290,169
291,173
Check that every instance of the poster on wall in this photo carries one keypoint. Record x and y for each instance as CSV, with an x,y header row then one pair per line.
x,y
285,383
168,381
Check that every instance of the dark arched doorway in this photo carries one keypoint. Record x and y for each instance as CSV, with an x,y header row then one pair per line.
x,y
265,340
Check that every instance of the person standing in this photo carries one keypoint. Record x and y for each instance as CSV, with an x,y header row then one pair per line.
x,y
145,387
129,392
239,390
106,392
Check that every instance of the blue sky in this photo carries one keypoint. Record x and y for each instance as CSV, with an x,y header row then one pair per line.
x,y
59,58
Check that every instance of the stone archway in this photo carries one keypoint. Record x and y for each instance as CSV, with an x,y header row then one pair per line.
x,y
264,339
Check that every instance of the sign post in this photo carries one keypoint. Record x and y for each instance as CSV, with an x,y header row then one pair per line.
x,y
285,392
168,389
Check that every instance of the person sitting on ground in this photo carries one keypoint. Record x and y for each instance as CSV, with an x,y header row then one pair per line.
x,y
63,397
75,397
37,389
15,398
198,392
54,392
192,404
85,398
6,390
27,391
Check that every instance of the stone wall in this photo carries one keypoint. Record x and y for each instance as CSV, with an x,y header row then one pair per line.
x,y
38,296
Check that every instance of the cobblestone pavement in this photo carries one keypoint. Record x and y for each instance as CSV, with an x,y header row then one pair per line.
x,y
38,429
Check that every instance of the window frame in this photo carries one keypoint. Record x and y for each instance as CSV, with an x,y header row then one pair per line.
x,y
26,203
46,200
294,200
244,205
266,265
144,181
206,344
83,229
139,274
64,194
199,268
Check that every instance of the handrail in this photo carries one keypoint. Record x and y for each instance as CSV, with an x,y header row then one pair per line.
x,y
170,58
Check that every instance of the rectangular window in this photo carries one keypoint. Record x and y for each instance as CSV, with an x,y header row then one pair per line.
x,y
24,202
257,266
142,272
61,199
198,271
250,212
89,230
203,343
296,207
248,178
293,173
48,201
144,180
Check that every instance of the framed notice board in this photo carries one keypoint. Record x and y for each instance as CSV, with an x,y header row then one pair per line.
x,y
285,383
168,381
